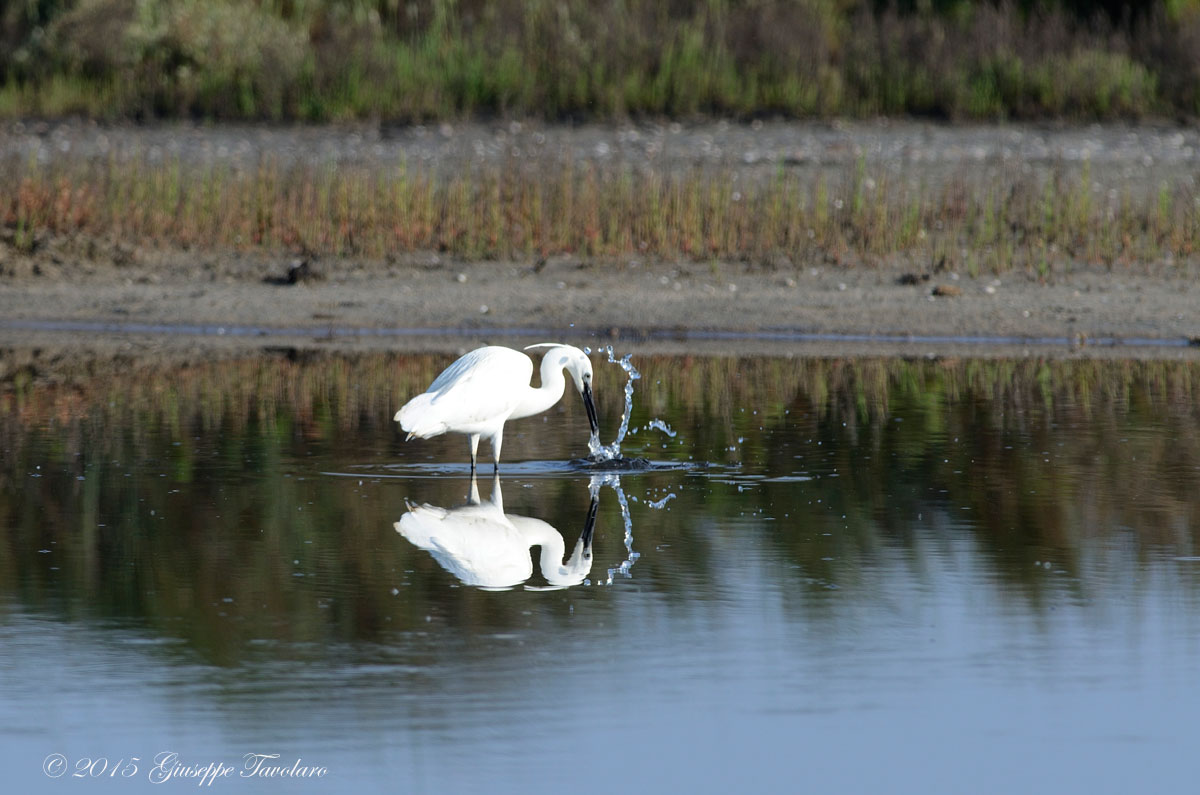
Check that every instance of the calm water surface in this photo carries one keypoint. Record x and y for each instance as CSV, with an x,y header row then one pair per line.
x,y
847,575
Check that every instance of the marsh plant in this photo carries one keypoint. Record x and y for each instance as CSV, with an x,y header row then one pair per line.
x,y
981,221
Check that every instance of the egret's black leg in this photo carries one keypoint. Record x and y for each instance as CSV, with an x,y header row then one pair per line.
x,y
497,440
474,441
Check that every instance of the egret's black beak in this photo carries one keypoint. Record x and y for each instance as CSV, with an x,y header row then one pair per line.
x,y
591,409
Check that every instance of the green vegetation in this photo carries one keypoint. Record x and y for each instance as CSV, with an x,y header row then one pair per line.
x,y
992,223
319,60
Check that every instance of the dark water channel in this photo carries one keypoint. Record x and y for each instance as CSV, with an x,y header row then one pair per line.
x,y
845,575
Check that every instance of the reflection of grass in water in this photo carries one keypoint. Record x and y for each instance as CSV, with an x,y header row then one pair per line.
x,y
329,394
334,400
996,224
998,437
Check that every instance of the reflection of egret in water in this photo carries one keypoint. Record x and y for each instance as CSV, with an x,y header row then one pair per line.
x,y
482,545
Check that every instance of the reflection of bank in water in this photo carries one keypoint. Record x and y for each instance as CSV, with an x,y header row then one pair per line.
x,y
482,545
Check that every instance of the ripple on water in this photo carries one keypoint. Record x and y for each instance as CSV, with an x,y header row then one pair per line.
x,y
524,469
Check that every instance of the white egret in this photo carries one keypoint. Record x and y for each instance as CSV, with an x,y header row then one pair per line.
x,y
483,546
489,386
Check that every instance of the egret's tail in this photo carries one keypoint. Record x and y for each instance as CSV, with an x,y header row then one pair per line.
x,y
415,418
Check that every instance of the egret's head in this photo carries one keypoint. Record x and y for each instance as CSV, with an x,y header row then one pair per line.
x,y
579,366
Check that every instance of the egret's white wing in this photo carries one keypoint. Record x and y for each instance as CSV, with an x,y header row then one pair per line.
x,y
491,364
483,386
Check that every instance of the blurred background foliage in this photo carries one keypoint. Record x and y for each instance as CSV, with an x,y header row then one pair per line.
x,y
407,60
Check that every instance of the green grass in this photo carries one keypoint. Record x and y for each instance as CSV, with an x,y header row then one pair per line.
x,y
321,60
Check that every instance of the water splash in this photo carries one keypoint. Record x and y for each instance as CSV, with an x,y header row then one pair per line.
x,y
660,504
601,452
658,425
613,481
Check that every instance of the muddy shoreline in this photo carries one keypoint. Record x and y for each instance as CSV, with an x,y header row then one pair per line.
x,y
433,303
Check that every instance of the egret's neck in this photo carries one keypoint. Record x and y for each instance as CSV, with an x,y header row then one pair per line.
x,y
543,397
